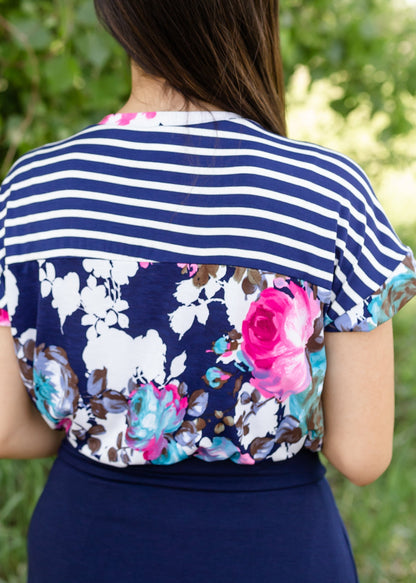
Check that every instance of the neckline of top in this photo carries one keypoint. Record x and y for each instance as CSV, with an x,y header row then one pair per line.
x,y
166,118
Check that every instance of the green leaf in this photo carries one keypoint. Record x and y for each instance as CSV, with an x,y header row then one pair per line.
x,y
59,73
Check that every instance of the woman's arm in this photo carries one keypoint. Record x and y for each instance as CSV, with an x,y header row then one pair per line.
x,y
358,402
23,432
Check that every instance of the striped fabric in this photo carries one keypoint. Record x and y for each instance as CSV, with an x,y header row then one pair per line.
x,y
201,187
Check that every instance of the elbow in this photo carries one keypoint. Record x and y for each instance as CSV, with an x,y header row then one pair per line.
x,y
4,446
360,467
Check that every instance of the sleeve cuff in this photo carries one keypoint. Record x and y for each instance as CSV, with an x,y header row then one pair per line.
x,y
383,304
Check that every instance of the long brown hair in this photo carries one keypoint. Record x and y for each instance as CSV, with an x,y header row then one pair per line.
x,y
222,52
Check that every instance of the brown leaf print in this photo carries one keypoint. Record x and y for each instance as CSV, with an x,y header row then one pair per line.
x,y
26,371
187,434
248,287
97,408
239,273
219,428
96,430
290,435
183,389
125,458
237,385
94,444
255,277
316,341
261,447
112,454
315,420
255,396
197,403
203,274
29,350
59,355
245,398
114,402
315,445
97,381
212,270
80,434
234,334
408,262
200,424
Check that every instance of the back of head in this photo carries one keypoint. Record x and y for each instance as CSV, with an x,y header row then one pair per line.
x,y
222,52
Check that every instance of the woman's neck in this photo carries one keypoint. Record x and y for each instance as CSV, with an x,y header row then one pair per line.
x,y
152,94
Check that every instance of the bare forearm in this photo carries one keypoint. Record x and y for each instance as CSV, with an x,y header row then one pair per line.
x,y
34,439
23,432
358,403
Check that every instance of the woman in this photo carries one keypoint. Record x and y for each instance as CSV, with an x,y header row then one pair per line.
x,y
191,295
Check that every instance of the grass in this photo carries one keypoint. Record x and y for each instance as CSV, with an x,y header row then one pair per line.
x,y
21,483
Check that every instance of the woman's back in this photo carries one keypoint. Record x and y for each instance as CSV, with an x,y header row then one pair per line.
x,y
191,255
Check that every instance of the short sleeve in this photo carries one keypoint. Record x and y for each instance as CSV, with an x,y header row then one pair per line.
x,y
374,272
4,317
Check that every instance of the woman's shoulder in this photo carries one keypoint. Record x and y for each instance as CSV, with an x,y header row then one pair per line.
x,y
310,166
38,157
315,154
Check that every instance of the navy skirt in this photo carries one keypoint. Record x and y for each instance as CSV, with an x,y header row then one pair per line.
x,y
192,522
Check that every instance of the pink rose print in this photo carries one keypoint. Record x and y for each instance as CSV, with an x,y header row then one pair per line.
x,y
120,119
4,318
152,415
275,334
124,119
192,268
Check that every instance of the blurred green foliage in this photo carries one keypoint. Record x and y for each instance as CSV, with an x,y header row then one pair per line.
x,y
59,71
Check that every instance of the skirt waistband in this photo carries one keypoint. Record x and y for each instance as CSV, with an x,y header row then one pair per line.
x,y
195,474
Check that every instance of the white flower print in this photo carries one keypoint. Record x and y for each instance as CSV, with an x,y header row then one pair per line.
x,y
116,351
238,302
98,267
122,270
66,298
196,299
118,271
288,450
96,301
181,319
47,276
12,292
102,302
187,292
142,358
254,415
177,366
150,358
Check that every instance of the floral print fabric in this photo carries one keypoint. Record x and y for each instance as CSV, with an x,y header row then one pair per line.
x,y
155,362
